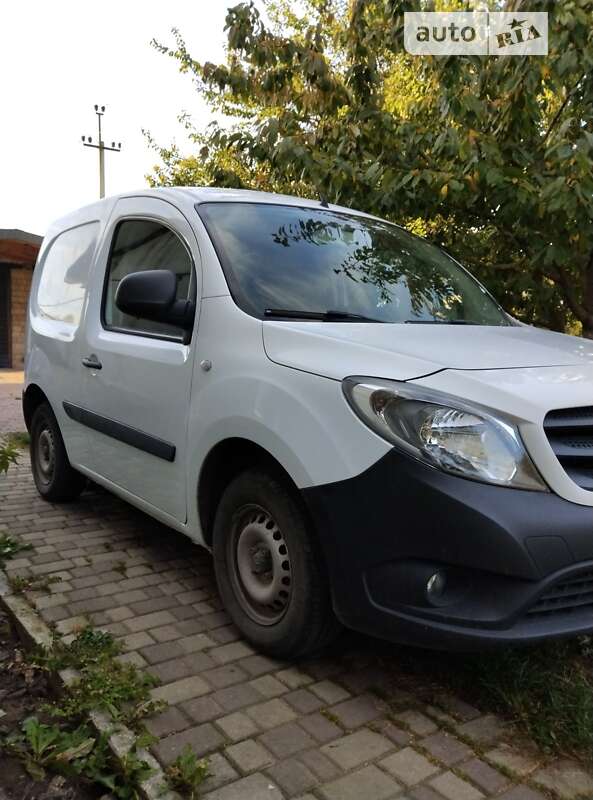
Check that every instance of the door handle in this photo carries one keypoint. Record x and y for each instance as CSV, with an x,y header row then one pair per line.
x,y
92,362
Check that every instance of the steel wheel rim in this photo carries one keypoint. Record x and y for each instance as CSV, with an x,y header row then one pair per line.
x,y
46,456
261,570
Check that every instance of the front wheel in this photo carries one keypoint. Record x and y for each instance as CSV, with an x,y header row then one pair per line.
x,y
269,571
55,479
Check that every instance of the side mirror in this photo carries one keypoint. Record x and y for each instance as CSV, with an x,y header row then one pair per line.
x,y
150,294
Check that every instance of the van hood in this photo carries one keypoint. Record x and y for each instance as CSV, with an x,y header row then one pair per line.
x,y
404,352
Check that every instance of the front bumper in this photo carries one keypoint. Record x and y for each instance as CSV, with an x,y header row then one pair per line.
x,y
518,565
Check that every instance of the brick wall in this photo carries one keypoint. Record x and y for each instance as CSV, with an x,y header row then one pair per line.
x,y
20,284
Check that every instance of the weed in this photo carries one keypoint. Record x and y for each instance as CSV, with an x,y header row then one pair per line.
x,y
76,752
19,440
32,583
8,455
105,683
187,772
9,546
120,567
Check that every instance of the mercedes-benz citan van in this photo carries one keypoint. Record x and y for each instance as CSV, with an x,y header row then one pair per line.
x,y
335,407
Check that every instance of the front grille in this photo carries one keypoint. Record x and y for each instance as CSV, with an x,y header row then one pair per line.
x,y
572,595
570,432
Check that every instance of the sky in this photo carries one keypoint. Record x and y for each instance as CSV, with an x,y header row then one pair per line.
x,y
57,60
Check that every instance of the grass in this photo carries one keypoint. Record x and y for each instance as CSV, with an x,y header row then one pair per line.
x,y
545,691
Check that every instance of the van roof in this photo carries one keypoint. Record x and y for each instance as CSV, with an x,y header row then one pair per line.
x,y
186,197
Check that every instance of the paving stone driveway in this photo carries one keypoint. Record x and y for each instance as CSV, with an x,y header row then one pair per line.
x,y
11,415
317,730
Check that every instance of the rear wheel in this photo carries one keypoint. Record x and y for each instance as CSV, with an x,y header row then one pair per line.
x,y
55,479
269,570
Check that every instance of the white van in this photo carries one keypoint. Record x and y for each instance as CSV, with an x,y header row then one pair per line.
x,y
335,407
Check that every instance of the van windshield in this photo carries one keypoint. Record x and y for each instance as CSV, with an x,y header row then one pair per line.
x,y
313,263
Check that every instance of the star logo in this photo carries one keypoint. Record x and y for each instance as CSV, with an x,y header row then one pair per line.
x,y
516,23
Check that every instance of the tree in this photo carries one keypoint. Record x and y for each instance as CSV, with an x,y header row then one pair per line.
x,y
490,157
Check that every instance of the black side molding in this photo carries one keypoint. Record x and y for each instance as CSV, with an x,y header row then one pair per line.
x,y
123,433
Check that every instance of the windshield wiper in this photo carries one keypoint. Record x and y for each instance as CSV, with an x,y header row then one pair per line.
x,y
324,316
441,322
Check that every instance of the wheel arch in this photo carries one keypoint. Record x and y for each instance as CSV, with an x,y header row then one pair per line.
x,y
33,397
227,459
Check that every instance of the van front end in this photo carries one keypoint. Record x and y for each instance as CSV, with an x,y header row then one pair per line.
x,y
426,555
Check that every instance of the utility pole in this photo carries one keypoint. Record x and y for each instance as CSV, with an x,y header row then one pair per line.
x,y
101,147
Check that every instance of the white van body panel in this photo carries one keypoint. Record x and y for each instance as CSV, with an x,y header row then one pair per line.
x,y
402,352
285,412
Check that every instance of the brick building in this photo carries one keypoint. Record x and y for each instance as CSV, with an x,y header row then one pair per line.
x,y
18,252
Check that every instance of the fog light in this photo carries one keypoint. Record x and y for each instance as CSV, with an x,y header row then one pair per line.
x,y
435,586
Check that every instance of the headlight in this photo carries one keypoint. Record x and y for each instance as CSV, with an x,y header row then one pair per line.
x,y
444,431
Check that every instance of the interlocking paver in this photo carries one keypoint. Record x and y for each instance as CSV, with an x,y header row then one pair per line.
x,y
353,750
446,748
231,652
220,772
178,691
320,765
486,730
303,701
486,778
367,782
417,722
330,692
512,760
286,740
454,788
292,777
567,779
202,709
408,766
255,787
358,711
270,729
321,728
268,686
249,756
272,713
225,676
171,720
235,697
237,726
202,739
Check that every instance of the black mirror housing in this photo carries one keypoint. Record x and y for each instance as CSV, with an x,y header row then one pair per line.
x,y
150,294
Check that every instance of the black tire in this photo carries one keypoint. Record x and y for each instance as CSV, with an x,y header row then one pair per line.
x,y
54,478
259,516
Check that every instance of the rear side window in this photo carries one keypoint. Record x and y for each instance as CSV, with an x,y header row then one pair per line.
x,y
142,245
65,273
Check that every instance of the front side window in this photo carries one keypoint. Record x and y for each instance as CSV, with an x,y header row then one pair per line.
x,y
142,244
285,258
65,272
